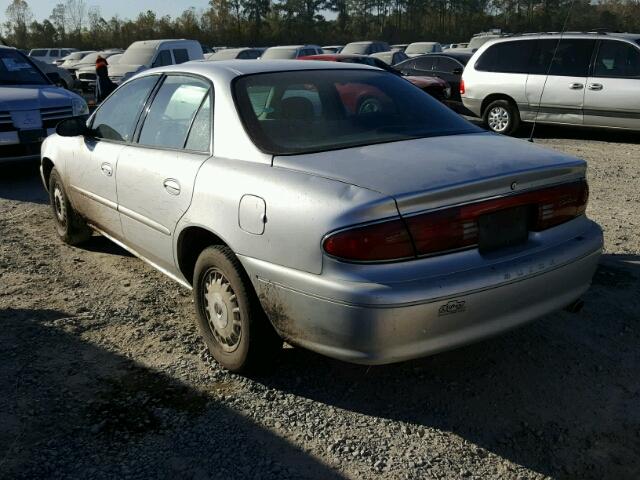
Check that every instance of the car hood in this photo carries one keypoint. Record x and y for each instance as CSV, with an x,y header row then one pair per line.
x,y
432,172
33,97
120,69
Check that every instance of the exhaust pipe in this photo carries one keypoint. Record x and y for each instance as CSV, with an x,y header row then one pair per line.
x,y
575,306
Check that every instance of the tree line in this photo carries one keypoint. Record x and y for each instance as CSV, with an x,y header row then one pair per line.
x,y
74,23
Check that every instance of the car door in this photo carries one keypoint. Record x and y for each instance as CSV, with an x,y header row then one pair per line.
x,y
612,97
91,171
157,172
557,79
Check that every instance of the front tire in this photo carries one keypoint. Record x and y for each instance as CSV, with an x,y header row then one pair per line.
x,y
70,227
229,315
502,116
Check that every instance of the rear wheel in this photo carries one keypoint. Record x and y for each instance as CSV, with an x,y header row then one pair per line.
x,y
230,317
70,227
502,116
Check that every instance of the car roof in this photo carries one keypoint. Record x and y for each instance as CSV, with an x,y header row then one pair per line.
x,y
156,43
552,35
365,42
291,46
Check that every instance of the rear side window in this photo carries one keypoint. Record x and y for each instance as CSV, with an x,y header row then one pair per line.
x,y
200,134
163,59
172,111
38,53
617,59
181,55
448,65
54,53
566,57
506,57
117,116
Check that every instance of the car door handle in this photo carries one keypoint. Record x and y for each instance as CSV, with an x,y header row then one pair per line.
x,y
172,186
107,169
576,86
595,86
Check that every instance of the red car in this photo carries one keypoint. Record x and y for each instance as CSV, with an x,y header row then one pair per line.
x,y
434,86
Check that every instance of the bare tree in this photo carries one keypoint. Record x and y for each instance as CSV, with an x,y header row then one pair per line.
x,y
19,16
75,15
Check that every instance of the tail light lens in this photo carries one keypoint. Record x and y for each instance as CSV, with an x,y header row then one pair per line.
x,y
454,228
462,87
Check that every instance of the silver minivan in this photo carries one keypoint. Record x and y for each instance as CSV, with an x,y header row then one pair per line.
x,y
587,79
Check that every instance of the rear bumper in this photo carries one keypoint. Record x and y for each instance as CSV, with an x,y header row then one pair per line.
x,y
375,324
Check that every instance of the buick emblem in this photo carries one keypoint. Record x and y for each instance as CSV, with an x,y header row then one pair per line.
x,y
514,185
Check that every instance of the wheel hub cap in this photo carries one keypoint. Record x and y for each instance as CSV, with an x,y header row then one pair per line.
x,y
222,310
499,119
58,200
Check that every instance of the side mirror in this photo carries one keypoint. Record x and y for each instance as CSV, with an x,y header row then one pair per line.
x,y
54,77
72,127
457,71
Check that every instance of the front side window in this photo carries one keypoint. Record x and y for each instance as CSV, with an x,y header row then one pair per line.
x,y
506,57
38,53
562,57
617,59
163,59
15,69
317,110
172,112
181,55
116,118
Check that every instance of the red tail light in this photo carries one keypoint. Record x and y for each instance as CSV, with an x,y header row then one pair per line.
x,y
454,228
462,87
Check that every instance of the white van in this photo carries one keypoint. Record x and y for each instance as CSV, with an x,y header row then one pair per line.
x,y
147,54
50,55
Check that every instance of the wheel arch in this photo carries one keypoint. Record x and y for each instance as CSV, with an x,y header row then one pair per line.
x,y
496,96
192,240
47,167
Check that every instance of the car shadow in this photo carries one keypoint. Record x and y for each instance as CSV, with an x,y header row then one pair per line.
x,y
559,396
21,182
100,244
72,409
565,132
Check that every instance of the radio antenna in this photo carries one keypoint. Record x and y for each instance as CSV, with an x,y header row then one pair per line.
x,y
553,57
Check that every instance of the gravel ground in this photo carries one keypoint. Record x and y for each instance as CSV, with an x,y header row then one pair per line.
x,y
103,374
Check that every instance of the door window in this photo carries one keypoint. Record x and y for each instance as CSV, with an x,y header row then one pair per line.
x,y
566,57
200,134
116,118
447,65
163,59
54,53
617,59
425,63
172,111
181,55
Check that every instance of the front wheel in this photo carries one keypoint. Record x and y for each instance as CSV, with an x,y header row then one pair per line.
x,y
502,116
230,317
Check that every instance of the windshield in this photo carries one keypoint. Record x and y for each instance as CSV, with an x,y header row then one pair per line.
x,y
316,110
279,54
419,48
15,69
137,56
75,56
356,48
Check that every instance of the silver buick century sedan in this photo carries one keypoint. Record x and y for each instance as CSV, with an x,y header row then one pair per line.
x,y
334,206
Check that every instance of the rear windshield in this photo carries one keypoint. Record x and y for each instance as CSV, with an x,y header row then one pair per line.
x,y
15,69
317,110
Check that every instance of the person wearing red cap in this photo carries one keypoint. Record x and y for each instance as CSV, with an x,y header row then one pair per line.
x,y
104,85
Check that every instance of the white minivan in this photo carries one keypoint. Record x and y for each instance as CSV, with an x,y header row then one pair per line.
x,y
147,54
50,55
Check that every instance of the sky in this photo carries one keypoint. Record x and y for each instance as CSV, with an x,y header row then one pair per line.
x,y
124,8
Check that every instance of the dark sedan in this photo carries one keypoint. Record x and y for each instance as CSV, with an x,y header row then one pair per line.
x,y
447,66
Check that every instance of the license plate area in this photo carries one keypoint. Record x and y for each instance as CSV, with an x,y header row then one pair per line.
x,y
32,136
505,228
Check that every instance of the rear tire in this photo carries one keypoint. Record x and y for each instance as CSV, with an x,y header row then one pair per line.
x,y
70,227
502,116
229,315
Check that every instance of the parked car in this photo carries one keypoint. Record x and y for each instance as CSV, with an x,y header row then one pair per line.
x,y
290,52
72,59
50,55
455,46
401,47
392,57
85,71
64,79
145,54
437,88
372,237
365,48
31,105
420,48
447,65
235,53
586,79
332,49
